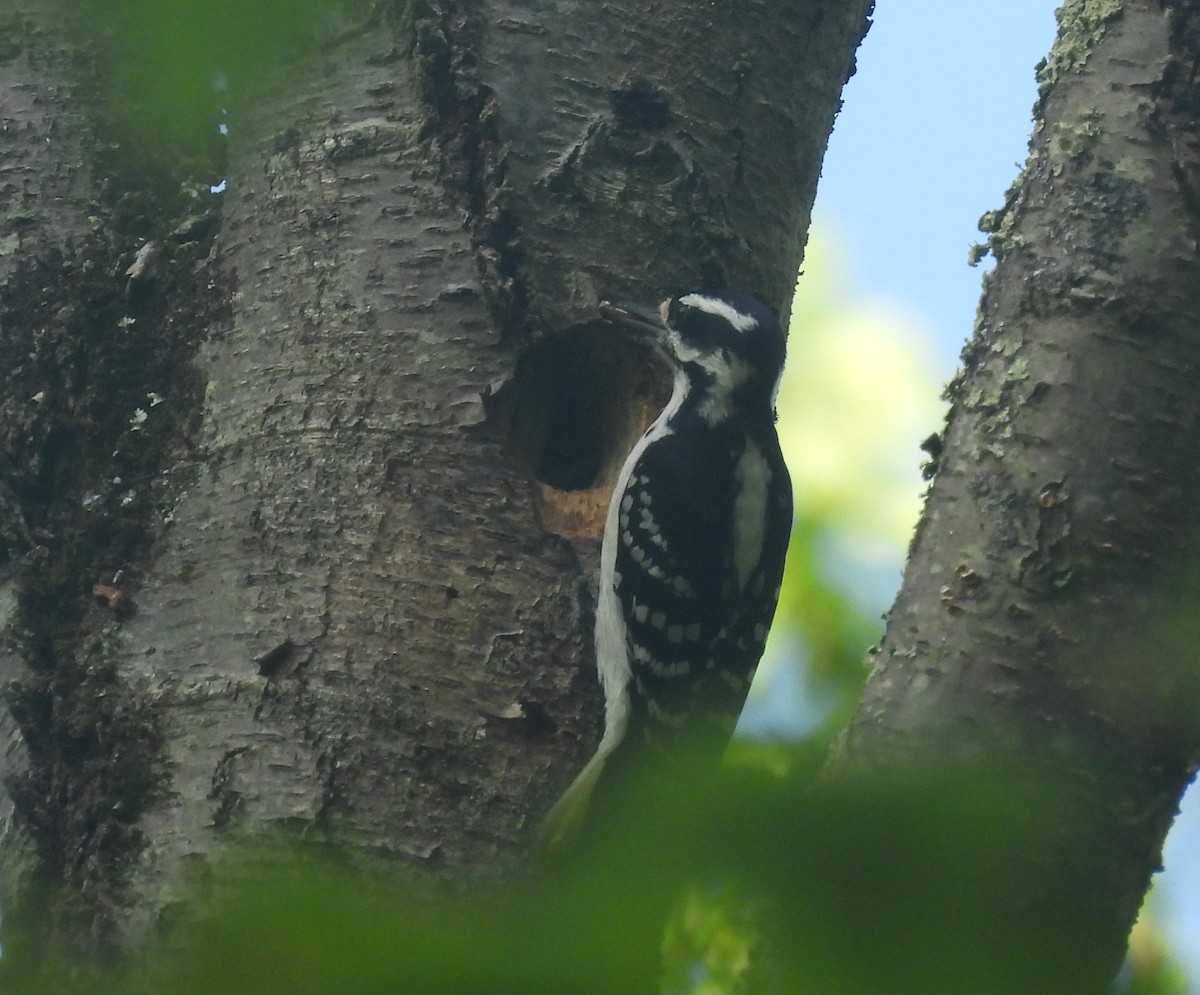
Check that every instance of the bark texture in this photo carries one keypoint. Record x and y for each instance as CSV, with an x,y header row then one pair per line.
x,y
1046,621
44,188
354,604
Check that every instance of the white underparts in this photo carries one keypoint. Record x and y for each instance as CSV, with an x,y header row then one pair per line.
x,y
612,642
612,652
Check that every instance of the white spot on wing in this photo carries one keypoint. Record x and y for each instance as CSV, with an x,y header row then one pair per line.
x,y
733,680
662,715
660,668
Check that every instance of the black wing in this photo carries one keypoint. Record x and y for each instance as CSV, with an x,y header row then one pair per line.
x,y
694,634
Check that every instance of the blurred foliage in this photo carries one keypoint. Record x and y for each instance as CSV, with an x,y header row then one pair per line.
x,y
857,397
1149,968
171,75
709,940
855,402
771,881
898,887
861,888
836,632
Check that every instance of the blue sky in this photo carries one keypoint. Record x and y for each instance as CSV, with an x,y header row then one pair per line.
x,y
933,129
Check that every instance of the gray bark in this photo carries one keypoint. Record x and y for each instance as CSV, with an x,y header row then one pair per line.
x,y
353,606
1044,635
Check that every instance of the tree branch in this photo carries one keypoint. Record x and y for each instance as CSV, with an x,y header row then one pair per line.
x,y
1045,627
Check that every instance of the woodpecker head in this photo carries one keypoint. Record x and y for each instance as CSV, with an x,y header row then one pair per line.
x,y
728,347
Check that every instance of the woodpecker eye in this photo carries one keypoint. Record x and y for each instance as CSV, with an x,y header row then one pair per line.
x,y
696,326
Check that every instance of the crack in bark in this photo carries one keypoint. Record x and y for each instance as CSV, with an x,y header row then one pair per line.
x,y
462,118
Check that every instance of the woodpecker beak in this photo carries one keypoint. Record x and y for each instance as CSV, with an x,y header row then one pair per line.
x,y
646,322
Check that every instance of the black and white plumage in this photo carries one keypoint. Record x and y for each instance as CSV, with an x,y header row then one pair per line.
x,y
694,546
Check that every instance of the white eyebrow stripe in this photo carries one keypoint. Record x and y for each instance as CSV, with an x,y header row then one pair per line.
x,y
742,322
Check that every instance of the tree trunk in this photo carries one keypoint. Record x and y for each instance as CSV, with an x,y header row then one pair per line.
x,y
1045,627
299,519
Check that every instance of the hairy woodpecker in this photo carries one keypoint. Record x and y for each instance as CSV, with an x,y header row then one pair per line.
x,y
693,548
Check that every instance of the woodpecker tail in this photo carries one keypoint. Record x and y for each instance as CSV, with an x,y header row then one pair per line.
x,y
565,820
